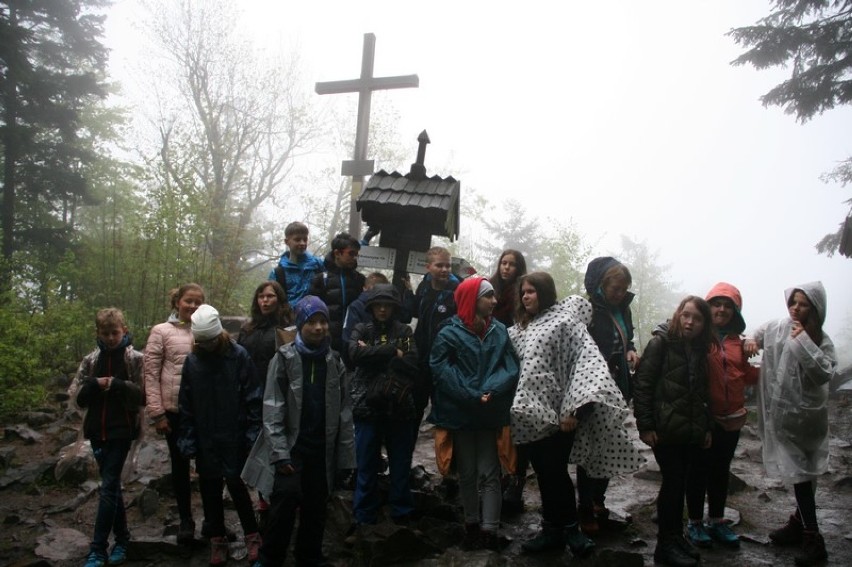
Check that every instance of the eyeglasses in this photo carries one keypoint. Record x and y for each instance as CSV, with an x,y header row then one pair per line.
x,y
350,252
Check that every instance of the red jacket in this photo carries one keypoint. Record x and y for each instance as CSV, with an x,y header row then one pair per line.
x,y
729,370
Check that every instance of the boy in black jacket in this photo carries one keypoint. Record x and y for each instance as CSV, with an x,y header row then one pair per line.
x,y
109,386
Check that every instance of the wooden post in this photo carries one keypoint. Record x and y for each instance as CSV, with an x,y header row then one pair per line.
x,y
364,86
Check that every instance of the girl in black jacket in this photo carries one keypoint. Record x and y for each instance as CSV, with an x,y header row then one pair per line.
x,y
671,403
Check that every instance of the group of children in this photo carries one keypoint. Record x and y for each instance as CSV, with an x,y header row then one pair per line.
x,y
327,371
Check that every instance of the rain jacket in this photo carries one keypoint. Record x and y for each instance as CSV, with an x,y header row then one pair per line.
x,y
793,394
383,384
562,370
282,415
614,343
728,369
671,392
297,275
465,366
113,413
168,345
220,411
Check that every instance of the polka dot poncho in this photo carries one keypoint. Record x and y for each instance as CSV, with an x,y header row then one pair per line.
x,y
562,370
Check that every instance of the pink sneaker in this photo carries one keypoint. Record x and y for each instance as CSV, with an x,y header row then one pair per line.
x,y
253,543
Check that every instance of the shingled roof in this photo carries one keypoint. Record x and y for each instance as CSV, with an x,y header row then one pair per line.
x,y
426,204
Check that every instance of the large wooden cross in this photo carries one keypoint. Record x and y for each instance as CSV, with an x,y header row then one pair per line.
x,y
360,166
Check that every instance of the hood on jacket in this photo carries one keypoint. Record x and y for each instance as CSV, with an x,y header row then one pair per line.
x,y
386,293
465,297
724,289
815,293
595,274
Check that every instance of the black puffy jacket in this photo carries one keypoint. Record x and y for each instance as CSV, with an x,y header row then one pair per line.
x,y
671,393
337,288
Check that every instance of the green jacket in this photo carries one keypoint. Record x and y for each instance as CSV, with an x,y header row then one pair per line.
x,y
666,399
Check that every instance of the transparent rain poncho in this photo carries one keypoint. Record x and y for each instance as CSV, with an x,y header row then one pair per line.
x,y
793,395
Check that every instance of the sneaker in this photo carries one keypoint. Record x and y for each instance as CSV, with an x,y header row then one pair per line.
x,y
218,550
119,554
95,559
722,534
686,547
588,521
494,541
253,543
788,534
698,535
352,535
813,550
186,532
579,544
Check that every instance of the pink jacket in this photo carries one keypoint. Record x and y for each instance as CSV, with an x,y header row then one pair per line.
x,y
168,345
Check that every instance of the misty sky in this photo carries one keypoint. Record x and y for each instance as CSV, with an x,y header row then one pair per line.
x,y
625,116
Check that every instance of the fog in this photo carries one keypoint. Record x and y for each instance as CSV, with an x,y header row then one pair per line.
x,y
626,117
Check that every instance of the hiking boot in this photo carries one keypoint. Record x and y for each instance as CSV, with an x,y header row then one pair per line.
x,y
118,555
588,522
253,543
513,495
186,532
788,534
218,550
472,537
579,544
550,538
95,559
490,539
697,535
352,535
669,552
721,533
687,547
813,550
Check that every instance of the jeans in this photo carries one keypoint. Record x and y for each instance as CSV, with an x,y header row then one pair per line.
x,y
549,458
398,438
475,454
675,463
180,470
306,490
711,475
214,505
112,517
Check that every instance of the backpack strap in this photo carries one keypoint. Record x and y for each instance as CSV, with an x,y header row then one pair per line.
x,y
281,276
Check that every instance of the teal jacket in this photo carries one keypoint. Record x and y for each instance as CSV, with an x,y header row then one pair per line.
x,y
464,367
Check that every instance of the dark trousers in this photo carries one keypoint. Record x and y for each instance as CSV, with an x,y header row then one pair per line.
x,y
306,490
549,458
675,463
806,503
590,491
180,470
711,475
398,437
111,517
214,505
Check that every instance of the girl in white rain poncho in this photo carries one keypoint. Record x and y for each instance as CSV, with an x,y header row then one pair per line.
x,y
798,363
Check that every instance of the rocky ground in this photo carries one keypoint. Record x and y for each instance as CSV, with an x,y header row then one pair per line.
x,y
49,522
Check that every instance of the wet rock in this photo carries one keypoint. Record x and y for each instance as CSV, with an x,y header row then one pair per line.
x,y
480,558
845,483
148,549
11,519
75,502
764,497
755,538
387,544
638,542
7,455
651,471
75,464
439,533
62,544
38,418
23,433
26,474
26,562
148,502
610,557
736,484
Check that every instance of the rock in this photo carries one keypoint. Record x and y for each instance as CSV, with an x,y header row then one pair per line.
x,y
23,433
26,474
148,549
11,519
62,544
75,464
609,557
845,482
148,502
752,538
387,544
651,471
764,497
7,455
736,484
75,502
38,418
